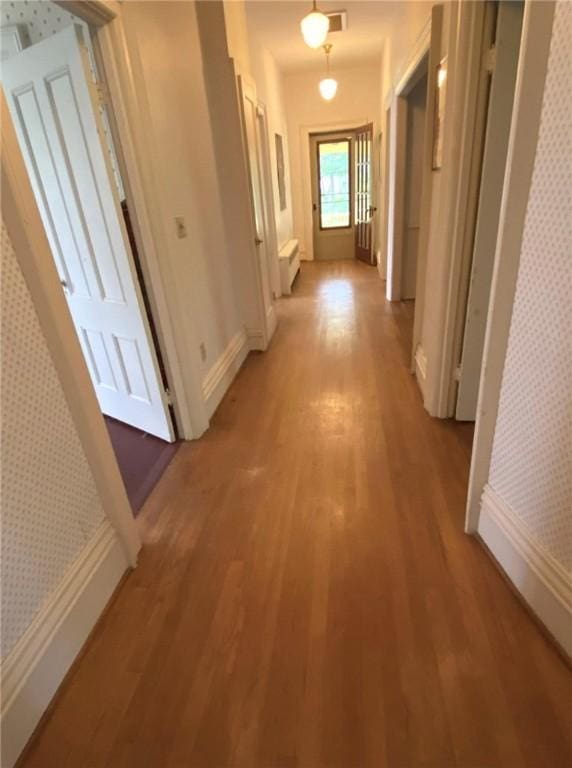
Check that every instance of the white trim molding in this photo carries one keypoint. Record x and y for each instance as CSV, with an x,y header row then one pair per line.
x,y
421,367
220,376
531,75
540,579
36,666
256,342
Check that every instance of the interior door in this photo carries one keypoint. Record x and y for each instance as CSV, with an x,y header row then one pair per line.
x,y
413,178
507,47
364,209
331,157
53,102
260,207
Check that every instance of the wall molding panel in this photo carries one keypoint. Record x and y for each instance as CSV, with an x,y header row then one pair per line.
x,y
220,376
38,663
540,579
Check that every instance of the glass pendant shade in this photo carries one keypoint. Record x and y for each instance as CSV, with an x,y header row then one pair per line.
x,y
328,88
315,28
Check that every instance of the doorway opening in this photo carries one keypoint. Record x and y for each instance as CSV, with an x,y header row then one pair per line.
x,y
65,129
407,134
342,212
500,55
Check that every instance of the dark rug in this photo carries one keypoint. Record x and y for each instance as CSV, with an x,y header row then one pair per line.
x,y
142,459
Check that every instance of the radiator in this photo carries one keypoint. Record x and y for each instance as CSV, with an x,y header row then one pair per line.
x,y
289,260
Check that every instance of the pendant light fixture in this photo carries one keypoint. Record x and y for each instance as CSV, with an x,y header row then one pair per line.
x,y
315,27
328,86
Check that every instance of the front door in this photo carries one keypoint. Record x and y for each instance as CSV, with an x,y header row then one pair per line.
x,y
364,209
53,102
331,162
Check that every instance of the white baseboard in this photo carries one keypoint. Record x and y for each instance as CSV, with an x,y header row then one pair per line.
x,y
255,340
220,376
421,368
35,667
420,362
541,580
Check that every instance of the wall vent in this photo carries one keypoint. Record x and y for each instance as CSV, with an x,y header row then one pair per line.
x,y
338,21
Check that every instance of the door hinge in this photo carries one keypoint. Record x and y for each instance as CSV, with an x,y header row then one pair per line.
x,y
101,91
168,396
490,59
457,373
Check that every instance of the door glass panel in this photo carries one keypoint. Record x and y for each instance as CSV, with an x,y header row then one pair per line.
x,y
334,184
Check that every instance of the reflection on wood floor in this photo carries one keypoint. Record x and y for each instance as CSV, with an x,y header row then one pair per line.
x,y
306,595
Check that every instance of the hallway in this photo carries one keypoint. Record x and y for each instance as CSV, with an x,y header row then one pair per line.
x,y
306,595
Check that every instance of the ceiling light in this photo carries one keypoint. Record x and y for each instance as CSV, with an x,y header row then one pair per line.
x,y
328,86
315,27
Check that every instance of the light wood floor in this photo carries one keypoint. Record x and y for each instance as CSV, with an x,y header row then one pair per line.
x,y
306,595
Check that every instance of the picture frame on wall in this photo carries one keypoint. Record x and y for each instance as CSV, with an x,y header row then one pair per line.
x,y
280,171
439,114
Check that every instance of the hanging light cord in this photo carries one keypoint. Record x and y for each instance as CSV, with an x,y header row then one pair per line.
x,y
327,48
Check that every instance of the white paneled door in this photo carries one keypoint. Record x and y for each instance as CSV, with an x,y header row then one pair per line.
x,y
54,105
261,215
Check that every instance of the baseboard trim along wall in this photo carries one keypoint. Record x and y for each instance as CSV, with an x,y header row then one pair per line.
x,y
35,667
421,367
541,580
220,376
255,338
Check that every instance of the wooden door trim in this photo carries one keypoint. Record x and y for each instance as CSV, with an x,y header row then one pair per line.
x,y
305,134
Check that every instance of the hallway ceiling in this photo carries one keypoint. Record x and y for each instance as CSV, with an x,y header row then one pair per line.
x,y
276,23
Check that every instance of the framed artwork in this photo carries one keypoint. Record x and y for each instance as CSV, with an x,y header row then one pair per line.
x,y
280,170
439,113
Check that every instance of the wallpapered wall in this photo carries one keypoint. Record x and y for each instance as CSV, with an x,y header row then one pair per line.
x,y
38,20
531,467
49,503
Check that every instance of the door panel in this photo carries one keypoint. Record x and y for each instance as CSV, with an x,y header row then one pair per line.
x,y
413,182
364,209
331,158
507,45
260,209
53,104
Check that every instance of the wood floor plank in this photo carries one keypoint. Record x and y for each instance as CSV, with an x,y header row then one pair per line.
x,y
306,596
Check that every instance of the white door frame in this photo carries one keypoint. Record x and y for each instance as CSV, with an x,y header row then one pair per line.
x,y
26,230
258,338
449,227
262,121
129,119
529,91
482,237
306,170
396,167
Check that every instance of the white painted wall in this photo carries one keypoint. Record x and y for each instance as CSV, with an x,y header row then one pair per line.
x,y
270,90
50,505
185,170
526,515
396,53
60,556
400,43
356,103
